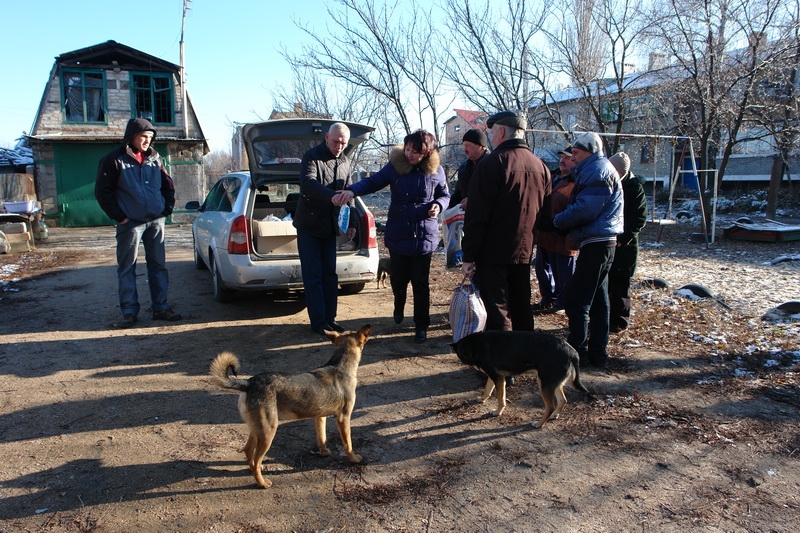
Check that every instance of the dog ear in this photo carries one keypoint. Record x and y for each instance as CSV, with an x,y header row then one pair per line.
x,y
364,331
332,335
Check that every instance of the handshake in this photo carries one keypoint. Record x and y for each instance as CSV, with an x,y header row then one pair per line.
x,y
342,197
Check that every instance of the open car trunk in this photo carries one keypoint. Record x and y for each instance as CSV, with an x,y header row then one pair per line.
x,y
272,230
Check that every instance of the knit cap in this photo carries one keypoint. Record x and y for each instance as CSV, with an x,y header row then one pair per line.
x,y
621,162
476,136
588,142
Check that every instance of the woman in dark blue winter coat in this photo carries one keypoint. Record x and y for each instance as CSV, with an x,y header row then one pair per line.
x,y
419,194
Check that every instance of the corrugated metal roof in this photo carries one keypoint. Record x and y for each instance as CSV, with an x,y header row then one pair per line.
x,y
17,158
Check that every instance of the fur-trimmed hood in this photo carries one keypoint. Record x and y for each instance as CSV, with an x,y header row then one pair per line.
x,y
428,166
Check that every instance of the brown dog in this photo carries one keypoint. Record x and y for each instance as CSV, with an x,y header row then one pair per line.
x,y
268,398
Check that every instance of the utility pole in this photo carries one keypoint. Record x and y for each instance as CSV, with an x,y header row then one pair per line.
x,y
184,97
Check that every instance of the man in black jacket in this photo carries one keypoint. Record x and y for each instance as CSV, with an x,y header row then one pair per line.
x,y
476,146
634,216
134,189
323,171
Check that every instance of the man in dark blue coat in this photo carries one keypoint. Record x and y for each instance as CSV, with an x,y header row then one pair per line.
x,y
134,189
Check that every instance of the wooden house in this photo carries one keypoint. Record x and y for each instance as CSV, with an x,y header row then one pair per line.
x,y
88,99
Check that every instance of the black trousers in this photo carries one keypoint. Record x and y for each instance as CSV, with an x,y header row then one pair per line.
x,y
414,269
619,302
506,293
586,304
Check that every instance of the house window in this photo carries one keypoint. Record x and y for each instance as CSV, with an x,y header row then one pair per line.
x,y
152,97
83,96
457,128
609,111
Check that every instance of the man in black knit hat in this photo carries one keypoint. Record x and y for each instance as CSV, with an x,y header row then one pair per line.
x,y
475,147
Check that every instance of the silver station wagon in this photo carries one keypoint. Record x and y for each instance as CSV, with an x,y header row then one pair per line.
x,y
243,233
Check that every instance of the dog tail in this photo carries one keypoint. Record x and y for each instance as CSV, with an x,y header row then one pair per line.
x,y
576,366
222,367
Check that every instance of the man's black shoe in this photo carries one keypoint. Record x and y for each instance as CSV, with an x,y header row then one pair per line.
x,y
335,326
128,321
398,317
421,335
167,314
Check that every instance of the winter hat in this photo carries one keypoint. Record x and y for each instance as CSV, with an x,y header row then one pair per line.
x,y
507,118
135,127
476,136
588,142
621,162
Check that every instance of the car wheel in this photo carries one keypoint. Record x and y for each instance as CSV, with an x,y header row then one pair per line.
x,y
198,260
221,293
353,288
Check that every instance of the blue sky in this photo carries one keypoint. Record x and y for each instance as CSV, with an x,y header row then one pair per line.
x,y
231,51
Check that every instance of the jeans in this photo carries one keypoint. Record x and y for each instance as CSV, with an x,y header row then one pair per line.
x,y
320,282
414,269
553,272
587,305
151,234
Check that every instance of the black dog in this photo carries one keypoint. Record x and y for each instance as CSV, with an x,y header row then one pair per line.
x,y
383,271
502,354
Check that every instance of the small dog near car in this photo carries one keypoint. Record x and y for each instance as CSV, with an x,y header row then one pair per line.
x,y
503,354
271,397
383,271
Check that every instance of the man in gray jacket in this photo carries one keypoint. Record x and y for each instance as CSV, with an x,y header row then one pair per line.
x,y
593,218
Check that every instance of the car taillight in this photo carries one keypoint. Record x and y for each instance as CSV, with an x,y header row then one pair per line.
x,y
372,231
239,238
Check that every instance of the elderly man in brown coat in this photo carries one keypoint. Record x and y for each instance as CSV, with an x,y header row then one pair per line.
x,y
506,192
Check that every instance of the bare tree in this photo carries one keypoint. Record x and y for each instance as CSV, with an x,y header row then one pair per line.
x,y
216,164
494,63
379,49
594,46
776,107
311,94
719,47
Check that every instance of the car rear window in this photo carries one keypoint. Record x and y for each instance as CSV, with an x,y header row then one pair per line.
x,y
282,152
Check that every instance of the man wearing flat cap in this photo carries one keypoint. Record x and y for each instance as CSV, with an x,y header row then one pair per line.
x,y
593,218
505,194
555,253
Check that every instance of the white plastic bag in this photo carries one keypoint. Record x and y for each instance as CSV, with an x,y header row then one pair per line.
x,y
467,312
453,230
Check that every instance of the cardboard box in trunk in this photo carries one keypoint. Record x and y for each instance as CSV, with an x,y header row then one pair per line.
x,y
278,238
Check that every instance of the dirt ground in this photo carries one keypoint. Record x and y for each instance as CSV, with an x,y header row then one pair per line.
x,y
692,427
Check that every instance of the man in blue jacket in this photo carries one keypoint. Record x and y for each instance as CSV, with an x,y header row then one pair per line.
x,y
593,218
134,189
